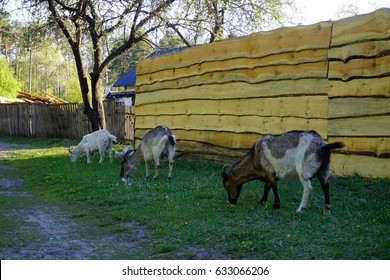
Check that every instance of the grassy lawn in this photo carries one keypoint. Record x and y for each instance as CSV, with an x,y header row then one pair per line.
x,y
191,212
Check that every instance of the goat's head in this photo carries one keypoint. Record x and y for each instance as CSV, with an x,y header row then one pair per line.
x,y
128,164
230,185
73,155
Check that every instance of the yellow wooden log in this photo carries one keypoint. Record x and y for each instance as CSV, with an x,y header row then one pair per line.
x,y
363,126
299,106
368,67
374,146
245,124
360,87
316,36
176,72
249,75
360,49
156,93
207,150
367,27
366,166
357,107
215,138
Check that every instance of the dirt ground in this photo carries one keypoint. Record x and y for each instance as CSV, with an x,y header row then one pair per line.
x,y
47,232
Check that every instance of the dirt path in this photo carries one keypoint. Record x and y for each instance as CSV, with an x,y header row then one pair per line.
x,y
31,229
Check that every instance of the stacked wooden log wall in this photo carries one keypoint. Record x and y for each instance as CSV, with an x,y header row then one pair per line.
x,y
219,98
359,93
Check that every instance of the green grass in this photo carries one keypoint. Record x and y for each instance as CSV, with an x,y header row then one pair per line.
x,y
191,210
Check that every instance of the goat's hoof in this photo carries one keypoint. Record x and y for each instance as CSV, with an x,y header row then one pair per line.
x,y
300,209
127,182
169,178
276,206
326,210
262,201
156,178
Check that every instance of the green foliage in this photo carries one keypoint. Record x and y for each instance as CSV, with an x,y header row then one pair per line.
x,y
170,40
190,213
73,92
8,83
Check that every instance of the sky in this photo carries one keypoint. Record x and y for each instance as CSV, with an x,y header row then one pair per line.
x,y
313,11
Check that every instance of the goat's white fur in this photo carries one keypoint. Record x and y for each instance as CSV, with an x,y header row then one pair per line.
x,y
155,145
100,140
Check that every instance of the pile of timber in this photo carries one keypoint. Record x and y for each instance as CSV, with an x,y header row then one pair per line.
x,y
34,98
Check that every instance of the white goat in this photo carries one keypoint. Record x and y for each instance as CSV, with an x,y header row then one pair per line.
x,y
156,144
100,140
273,157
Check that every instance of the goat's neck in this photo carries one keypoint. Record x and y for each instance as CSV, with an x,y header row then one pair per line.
x,y
244,171
79,148
137,156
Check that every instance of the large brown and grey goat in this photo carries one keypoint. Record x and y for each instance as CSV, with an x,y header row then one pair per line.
x,y
157,144
100,140
273,157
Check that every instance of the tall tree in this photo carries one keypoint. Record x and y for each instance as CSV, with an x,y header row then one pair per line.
x,y
94,21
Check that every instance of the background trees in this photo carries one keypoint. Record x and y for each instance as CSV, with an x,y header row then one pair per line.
x,y
8,83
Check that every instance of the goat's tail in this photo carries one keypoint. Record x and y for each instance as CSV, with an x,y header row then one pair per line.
x,y
113,138
335,145
172,140
325,151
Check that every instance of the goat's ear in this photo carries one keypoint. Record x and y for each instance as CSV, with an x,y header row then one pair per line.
x,y
128,154
225,176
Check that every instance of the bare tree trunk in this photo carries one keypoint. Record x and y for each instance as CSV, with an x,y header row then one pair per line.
x,y
96,115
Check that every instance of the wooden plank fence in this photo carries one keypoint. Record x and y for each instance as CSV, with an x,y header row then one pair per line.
x,y
63,120
333,77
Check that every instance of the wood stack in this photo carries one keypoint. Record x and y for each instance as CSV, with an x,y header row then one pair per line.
x,y
34,98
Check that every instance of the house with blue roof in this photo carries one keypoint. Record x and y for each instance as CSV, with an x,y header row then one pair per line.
x,y
128,80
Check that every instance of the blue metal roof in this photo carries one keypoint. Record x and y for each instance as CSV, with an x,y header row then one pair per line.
x,y
128,79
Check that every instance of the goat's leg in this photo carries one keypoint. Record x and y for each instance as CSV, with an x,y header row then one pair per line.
x,y
264,198
325,188
89,157
306,193
156,168
101,153
271,183
109,150
146,169
276,196
170,160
